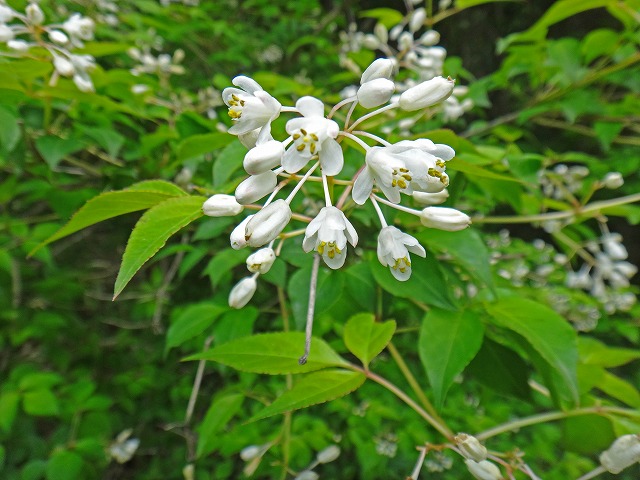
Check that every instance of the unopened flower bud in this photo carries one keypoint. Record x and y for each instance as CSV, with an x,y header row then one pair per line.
x,y
426,94
417,19
329,454
623,452
83,82
6,33
6,14
58,37
307,475
375,92
425,198
613,180
63,66
18,45
484,470
444,218
381,32
380,68
189,471
242,292
429,38
267,224
405,42
263,157
395,32
261,260
35,16
221,205
237,237
470,447
249,453
255,187
371,42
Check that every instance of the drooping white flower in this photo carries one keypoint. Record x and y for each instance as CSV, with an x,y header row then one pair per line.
x,y
444,218
242,292
35,15
237,237
484,470
261,260
328,234
393,251
263,157
79,28
255,187
313,134
431,198
267,224
250,107
220,205
426,94
623,452
6,13
63,66
58,37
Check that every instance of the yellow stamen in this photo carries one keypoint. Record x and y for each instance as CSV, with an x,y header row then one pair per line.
x,y
300,147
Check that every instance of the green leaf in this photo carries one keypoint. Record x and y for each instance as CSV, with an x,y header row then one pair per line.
x,y
64,465
272,354
315,388
10,132
594,352
197,145
365,338
462,4
619,389
191,322
587,435
222,410
387,16
448,342
108,205
152,231
8,409
229,160
41,402
471,170
53,149
606,132
545,331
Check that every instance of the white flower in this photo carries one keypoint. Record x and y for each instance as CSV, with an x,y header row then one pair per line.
x,y
426,94
237,236
261,260
329,454
242,292
444,218
623,452
6,14
221,205
263,157
267,224
58,37
417,19
431,198
400,168
613,180
393,251
6,33
375,92
484,470
255,187
79,28
328,234
18,45
83,82
35,15
470,447
612,245
313,134
63,66
250,107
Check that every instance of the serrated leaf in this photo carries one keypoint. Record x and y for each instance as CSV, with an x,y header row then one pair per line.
x,y
152,231
272,354
448,342
108,205
192,321
220,411
197,145
545,331
366,338
315,388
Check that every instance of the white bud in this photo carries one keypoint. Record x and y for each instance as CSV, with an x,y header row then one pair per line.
x,y
261,260
263,157
189,471
6,14
623,452
35,16
613,180
425,198
221,205
83,82
380,68
329,454
395,32
612,245
405,42
437,53
6,33
267,224
307,475
250,452
18,45
426,94
484,470
417,19
250,138
63,66
58,37
381,32
371,42
255,187
237,237
375,92
444,218
429,38
242,292
470,447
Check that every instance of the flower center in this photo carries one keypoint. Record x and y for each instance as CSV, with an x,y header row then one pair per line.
x,y
402,264
330,247
400,177
438,172
236,105
302,139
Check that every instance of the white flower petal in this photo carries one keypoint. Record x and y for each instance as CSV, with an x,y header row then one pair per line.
x,y
247,84
362,187
331,157
310,107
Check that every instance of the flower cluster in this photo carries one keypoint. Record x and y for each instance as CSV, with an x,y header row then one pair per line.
x,y
23,31
389,172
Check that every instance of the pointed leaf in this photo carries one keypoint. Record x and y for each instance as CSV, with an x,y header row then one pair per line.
x,y
273,354
547,332
197,145
192,321
448,342
108,205
222,410
153,230
365,338
315,388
